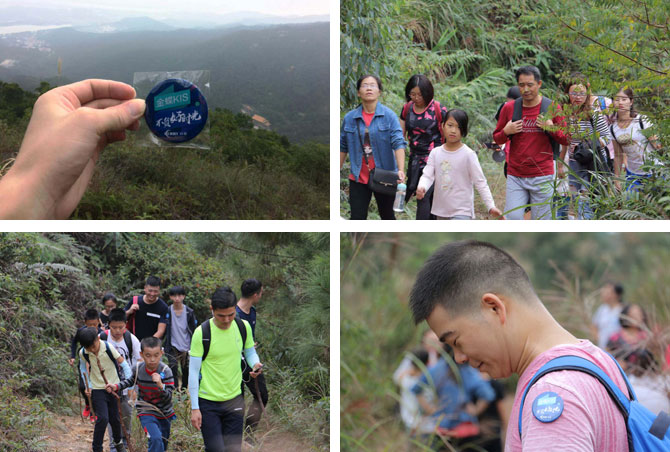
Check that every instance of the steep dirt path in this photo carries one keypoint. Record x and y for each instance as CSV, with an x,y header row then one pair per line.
x,y
70,434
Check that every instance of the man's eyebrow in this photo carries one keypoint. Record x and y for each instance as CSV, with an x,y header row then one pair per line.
x,y
445,335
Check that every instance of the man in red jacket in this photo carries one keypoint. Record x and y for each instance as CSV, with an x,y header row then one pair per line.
x,y
530,168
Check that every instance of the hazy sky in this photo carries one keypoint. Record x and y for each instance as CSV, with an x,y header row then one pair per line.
x,y
159,7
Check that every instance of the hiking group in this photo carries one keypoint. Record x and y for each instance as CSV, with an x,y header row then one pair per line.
x,y
571,394
121,366
599,144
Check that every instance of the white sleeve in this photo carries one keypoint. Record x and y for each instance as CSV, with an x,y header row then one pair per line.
x,y
428,176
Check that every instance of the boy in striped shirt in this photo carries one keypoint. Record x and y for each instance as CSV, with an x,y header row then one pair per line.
x,y
155,385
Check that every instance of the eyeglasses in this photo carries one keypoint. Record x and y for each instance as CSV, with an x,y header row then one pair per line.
x,y
369,85
579,94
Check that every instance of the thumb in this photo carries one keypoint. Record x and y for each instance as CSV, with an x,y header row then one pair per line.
x,y
120,116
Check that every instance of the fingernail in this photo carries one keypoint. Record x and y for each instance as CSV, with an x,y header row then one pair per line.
x,y
136,107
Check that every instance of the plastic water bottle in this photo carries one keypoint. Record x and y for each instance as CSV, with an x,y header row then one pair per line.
x,y
399,203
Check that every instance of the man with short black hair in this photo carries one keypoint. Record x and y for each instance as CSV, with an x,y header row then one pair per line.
x,y
217,405
530,160
252,291
480,301
147,316
179,328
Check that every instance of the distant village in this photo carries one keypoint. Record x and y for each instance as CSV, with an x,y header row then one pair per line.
x,y
259,121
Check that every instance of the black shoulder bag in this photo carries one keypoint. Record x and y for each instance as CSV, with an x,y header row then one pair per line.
x,y
381,181
590,154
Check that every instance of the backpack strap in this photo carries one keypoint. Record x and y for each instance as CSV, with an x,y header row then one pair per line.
x,y
405,110
570,362
518,109
243,332
641,123
111,358
438,116
130,324
206,338
129,343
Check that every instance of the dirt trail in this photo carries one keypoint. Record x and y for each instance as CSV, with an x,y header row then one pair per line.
x,y
70,434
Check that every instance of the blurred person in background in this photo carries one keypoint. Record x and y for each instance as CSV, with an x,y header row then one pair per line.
x,y
605,321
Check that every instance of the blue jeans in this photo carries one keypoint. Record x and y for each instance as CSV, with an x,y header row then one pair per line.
x,y
634,181
537,191
580,178
158,432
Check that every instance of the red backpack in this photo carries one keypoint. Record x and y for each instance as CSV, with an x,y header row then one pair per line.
x,y
130,323
438,115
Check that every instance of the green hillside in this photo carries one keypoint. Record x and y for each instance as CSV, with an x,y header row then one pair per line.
x,y
247,173
280,71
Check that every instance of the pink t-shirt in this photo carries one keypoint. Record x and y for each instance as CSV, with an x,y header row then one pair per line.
x,y
590,420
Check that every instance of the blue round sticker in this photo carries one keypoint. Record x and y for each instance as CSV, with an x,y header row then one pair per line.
x,y
176,110
547,407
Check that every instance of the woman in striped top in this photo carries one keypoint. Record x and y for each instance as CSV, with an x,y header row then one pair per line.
x,y
581,124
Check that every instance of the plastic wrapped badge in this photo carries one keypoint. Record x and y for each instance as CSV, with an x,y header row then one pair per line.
x,y
176,113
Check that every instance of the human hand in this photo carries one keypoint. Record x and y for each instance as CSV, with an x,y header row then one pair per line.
x,y
561,171
69,127
513,127
196,419
71,361
420,193
495,212
110,388
87,392
544,123
156,377
133,308
401,176
258,368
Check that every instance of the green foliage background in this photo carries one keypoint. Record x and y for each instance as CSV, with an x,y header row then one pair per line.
x,y
247,173
470,49
48,280
377,271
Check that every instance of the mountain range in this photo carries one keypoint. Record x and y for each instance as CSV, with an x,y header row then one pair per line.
x,y
280,71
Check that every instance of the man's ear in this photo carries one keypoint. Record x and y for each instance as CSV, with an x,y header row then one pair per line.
x,y
493,305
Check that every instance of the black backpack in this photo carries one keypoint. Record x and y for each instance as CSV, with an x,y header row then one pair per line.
x,y
544,107
109,353
126,338
207,336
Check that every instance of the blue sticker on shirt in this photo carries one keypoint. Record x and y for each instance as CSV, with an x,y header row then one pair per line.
x,y
162,374
547,407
